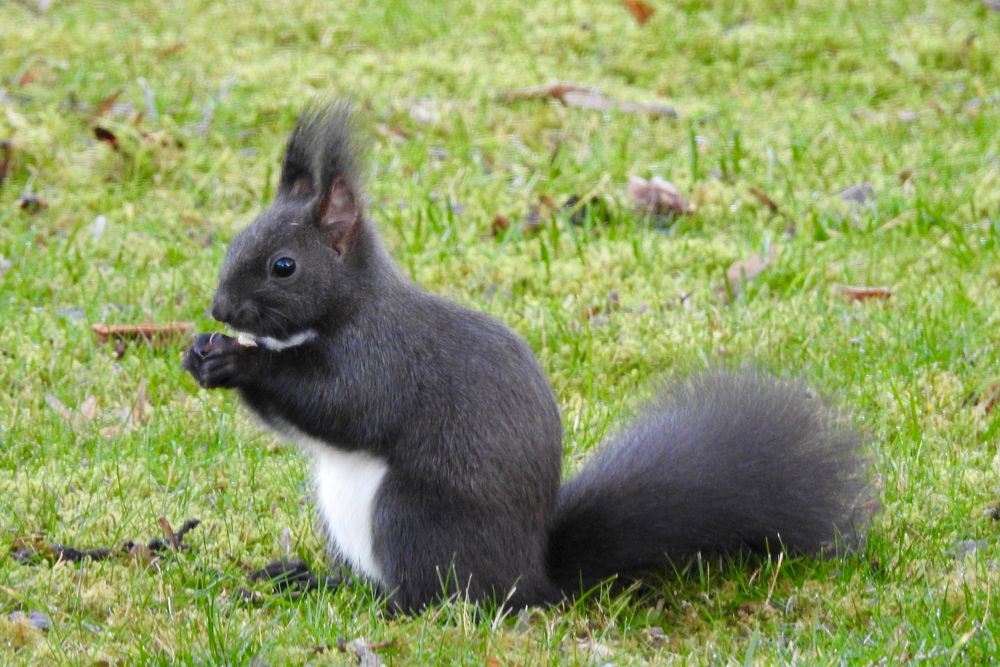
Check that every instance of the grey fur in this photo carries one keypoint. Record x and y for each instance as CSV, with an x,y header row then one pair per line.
x,y
460,410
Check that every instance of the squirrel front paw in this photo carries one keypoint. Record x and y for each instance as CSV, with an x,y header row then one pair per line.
x,y
217,360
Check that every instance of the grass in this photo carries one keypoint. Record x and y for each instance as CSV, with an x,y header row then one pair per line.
x,y
797,99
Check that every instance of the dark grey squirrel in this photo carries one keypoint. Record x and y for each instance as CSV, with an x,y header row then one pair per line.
x,y
436,439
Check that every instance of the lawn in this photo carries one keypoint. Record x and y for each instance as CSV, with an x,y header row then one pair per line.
x,y
844,144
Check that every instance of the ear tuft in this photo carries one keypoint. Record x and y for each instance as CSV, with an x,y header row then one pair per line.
x,y
340,216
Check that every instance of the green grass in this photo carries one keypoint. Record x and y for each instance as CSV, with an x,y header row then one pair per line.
x,y
797,99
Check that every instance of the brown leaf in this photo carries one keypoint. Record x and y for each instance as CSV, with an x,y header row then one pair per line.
x,y
588,100
105,105
155,334
88,409
163,139
533,222
656,196
762,197
170,50
141,407
53,402
500,224
584,97
554,89
905,175
107,136
28,76
743,271
866,293
639,10
859,193
988,400
31,203
8,154
168,532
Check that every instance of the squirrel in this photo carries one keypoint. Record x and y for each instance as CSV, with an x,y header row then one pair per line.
x,y
435,437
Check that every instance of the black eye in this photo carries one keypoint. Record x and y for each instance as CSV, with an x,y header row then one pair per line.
x,y
283,267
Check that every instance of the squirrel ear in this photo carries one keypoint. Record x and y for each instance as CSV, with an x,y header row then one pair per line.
x,y
300,187
340,216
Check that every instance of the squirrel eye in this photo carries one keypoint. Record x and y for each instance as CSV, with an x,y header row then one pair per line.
x,y
283,267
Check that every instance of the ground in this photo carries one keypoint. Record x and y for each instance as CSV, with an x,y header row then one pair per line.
x,y
845,144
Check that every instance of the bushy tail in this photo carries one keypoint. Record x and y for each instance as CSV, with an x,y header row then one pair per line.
x,y
723,463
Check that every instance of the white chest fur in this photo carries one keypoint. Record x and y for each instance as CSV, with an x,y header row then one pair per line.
x,y
346,485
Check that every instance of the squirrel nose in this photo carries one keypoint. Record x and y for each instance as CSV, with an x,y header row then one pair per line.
x,y
222,310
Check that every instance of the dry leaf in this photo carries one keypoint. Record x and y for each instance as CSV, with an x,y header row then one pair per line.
x,y
53,402
556,89
743,271
31,203
656,196
170,50
988,400
88,409
141,407
639,10
588,100
859,193
168,532
8,153
584,97
866,293
105,105
156,334
362,650
107,136
762,197
500,224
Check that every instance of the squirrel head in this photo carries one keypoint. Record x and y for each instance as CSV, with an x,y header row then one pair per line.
x,y
303,263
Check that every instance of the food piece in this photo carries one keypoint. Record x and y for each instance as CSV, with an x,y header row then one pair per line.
x,y
246,340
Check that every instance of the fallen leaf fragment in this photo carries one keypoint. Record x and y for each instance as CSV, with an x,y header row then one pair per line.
x,y
363,651
500,224
53,402
764,199
294,574
88,409
36,619
154,333
170,50
28,550
107,136
859,193
866,293
989,399
639,10
31,550
743,271
556,89
656,196
31,203
168,532
141,407
584,97
8,153
105,105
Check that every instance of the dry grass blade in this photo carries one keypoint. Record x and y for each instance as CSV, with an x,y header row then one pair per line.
x,y
866,293
153,333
